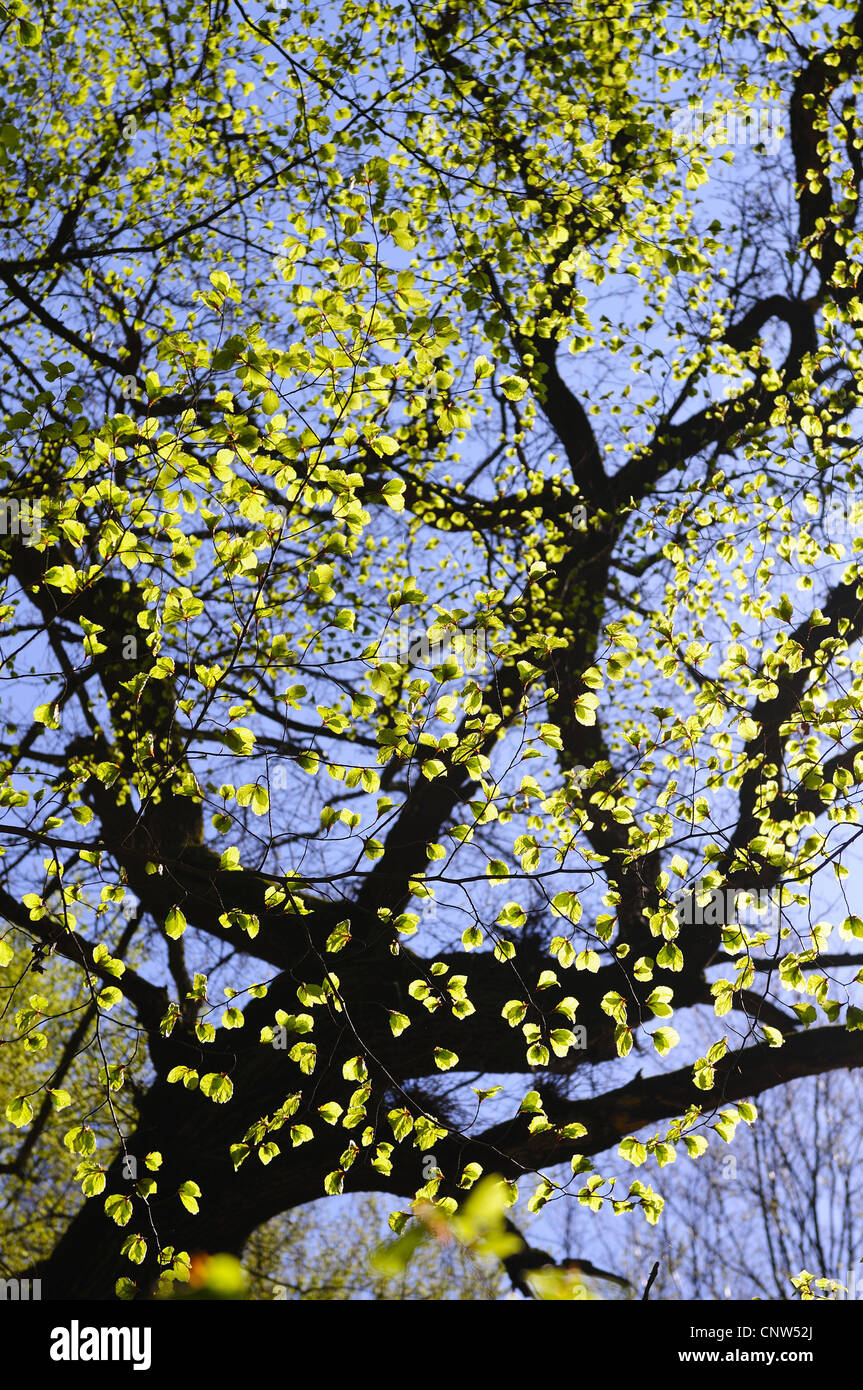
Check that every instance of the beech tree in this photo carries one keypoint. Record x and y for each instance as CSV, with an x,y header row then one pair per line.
x,y
432,603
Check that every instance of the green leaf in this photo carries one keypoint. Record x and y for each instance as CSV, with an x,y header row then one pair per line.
x,y
623,1040
444,1059
135,1249
587,960
567,905
119,1209
217,1087
401,1123
633,1151
513,387
514,1011
29,34
175,923
670,957
80,1140
584,708
338,937
385,444
664,1039
355,1069
614,1005
189,1192
659,1001
19,1112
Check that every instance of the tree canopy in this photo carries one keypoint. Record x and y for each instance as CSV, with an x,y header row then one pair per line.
x,y
432,606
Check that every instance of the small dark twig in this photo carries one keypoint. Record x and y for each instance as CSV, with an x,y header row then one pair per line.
x,y
648,1286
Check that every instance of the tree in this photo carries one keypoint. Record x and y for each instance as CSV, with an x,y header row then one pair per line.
x,y
455,712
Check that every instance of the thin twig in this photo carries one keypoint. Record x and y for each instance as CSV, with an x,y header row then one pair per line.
x,y
649,1284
